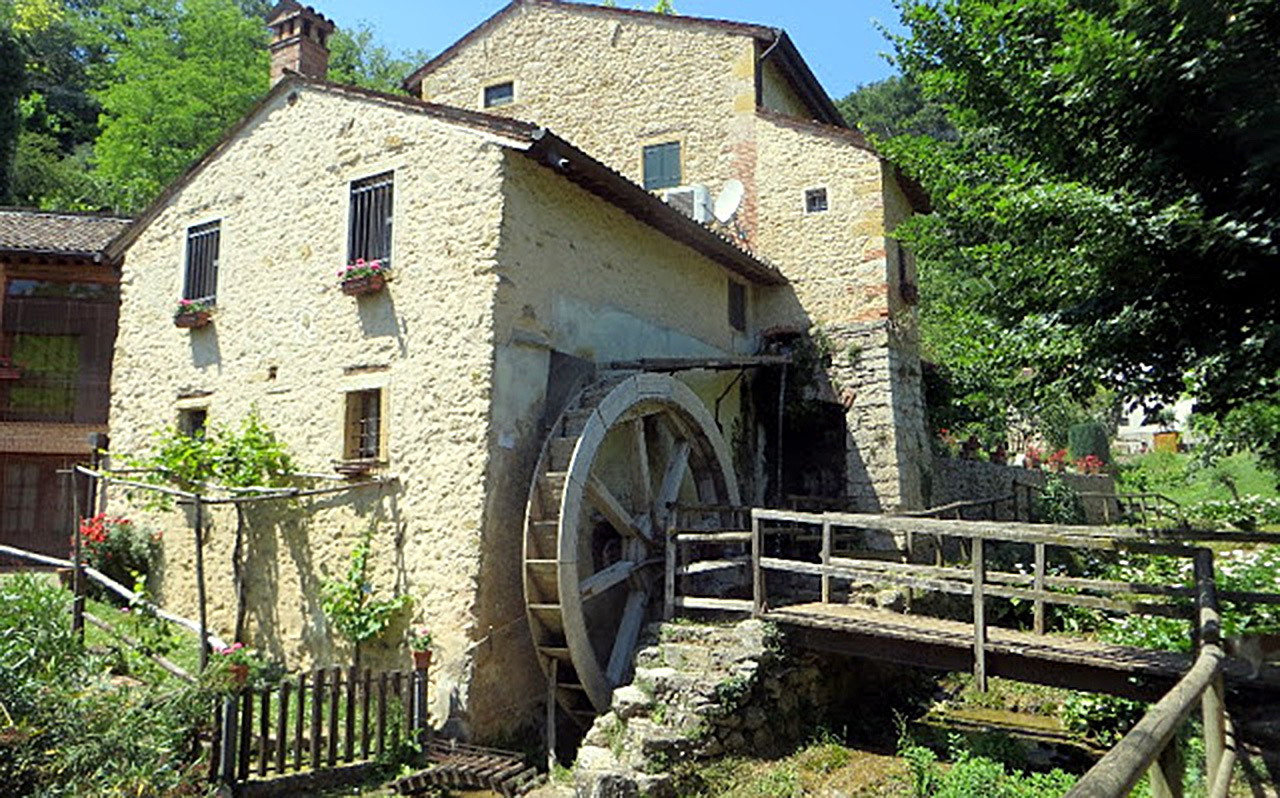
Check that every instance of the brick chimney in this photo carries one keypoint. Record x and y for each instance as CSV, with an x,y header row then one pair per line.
x,y
299,40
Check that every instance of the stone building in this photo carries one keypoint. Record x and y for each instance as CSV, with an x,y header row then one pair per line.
x,y
58,319
682,105
557,357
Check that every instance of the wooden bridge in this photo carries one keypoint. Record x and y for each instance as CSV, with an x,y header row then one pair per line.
x,y
948,580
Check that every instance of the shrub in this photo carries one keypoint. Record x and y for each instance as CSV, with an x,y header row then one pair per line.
x,y
1058,503
1089,438
118,548
1244,513
972,776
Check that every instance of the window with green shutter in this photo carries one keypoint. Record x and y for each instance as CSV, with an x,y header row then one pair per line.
x,y
662,165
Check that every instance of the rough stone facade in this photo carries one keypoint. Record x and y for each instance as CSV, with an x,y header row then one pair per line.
x,y
498,263
956,480
614,81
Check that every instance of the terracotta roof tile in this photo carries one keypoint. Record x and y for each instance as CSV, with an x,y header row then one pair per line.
x,y
53,232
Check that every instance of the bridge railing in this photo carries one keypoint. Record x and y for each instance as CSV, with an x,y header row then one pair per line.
x,y
1151,745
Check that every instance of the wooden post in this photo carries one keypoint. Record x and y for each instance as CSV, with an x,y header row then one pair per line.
x,y
365,691
979,616
669,592
246,733
317,706
77,561
282,727
757,573
348,744
382,713
335,697
1213,702
1039,588
200,593
300,720
826,561
1166,774
230,739
264,732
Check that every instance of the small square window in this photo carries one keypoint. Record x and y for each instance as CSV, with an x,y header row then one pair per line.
x,y
499,94
363,436
815,200
662,166
200,280
369,235
737,306
192,421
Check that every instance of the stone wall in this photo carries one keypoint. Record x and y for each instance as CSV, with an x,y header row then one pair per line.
x,y
957,480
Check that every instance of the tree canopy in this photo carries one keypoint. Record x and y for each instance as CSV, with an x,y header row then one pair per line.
x,y
1109,213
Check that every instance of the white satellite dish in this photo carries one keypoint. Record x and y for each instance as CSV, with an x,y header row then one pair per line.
x,y
729,201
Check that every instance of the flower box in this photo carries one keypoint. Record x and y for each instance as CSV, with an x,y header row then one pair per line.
x,y
8,371
359,286
192,320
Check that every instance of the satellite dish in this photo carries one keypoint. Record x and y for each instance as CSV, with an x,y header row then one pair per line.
x,y
729,201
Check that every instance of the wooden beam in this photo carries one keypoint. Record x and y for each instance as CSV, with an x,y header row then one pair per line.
x,y
672,364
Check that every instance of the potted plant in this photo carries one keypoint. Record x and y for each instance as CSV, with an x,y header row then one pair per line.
x,y
192,313
1057,461
363,277
420,646
238,660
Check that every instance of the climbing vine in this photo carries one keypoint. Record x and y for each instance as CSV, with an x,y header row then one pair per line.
x,y
349,602
249,456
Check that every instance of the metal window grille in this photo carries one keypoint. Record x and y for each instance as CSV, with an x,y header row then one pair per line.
x,y
737,306
815,200
371,212
201,279
364,424
500,94
662,165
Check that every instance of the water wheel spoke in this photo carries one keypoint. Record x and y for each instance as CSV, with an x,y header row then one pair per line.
x,y
601,498
624,644
672,479
641,486
599,582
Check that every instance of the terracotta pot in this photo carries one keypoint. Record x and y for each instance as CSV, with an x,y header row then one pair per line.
x,y
359,286
192,320
421,660
239,672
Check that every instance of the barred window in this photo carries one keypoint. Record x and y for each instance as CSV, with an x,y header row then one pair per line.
x,y
364,425
815,200
371,211
201,277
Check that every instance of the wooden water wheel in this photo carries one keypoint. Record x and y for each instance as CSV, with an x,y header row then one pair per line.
x,y
620,455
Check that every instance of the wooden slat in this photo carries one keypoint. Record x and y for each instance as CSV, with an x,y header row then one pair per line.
x,y
282,726
317,707
705,603
264,732
300,721
349,741
365,685
382,714
246,734
335,697
735,536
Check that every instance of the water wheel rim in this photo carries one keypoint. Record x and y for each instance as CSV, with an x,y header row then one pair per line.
x,y
708,464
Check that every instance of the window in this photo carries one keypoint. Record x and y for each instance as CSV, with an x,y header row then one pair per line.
x,y
364,425
499,94
192,421
815,200
370,228
201,281
662,165
737,306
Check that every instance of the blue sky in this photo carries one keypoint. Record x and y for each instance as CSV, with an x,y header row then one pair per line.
x,y
838,38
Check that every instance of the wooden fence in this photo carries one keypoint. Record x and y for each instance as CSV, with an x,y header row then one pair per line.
x,y
318,720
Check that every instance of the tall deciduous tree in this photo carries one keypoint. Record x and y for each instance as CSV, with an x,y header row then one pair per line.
x,y
356,58
895,106
1112,205
179,76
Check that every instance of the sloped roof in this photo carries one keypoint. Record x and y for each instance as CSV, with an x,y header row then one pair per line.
x,y
537,143
84,235
781,48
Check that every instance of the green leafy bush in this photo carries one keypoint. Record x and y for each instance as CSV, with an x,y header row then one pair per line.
x,y
1057,503
248,457
66,728
972,776
118,548
1089,438
349,603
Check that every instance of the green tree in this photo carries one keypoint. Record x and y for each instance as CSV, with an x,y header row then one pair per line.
x,y
179,76
11,80
356,58
893,107
1109,209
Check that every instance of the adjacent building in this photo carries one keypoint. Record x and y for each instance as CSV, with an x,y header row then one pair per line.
x,y
57,327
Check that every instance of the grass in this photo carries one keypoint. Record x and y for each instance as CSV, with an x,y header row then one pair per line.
x,y
1180,478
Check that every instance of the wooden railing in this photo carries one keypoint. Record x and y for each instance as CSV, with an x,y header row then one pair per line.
x,y
1138,508
724,529
319,720
836,560
1151,746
